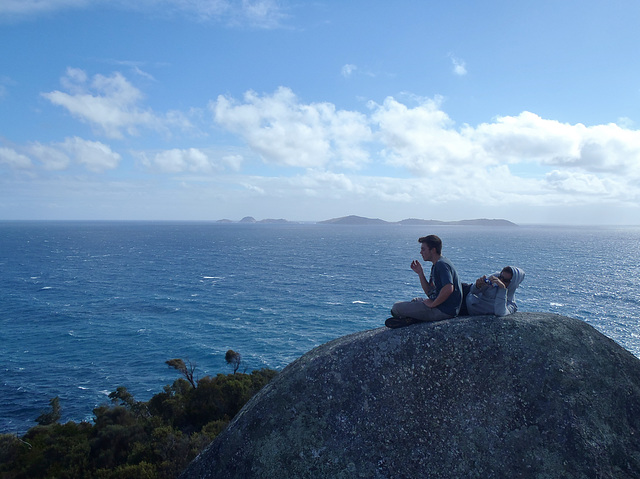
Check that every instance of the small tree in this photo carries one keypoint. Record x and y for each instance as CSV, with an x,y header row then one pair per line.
x,y
234,359
53,415
124,396
187,370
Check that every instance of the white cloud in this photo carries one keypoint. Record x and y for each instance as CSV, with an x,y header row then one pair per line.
x,y
234,162
349,132
189,160
13,159
326,183
253,188
260,13
459,66
610,149
529,138
285,132
577,183
526,137
178,161
135,67
626,122
590,164
421,139
486,192
51,157
348,69
95,156
254,13
111,104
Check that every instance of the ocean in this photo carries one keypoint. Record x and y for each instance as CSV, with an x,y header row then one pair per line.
x,y
86,307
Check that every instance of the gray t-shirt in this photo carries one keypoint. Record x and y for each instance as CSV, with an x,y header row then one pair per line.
x,y
442,273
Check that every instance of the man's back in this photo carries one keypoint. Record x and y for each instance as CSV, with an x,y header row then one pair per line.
x,y
442,273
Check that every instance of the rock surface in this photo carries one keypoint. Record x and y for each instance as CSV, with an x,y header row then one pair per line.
x,y
532,395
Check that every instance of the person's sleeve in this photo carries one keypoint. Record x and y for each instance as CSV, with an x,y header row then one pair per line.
x,y
501,306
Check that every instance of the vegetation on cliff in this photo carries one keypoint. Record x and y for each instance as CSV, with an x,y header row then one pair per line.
x,y
133,439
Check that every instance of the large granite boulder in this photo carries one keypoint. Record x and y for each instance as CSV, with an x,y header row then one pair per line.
x,y
530,395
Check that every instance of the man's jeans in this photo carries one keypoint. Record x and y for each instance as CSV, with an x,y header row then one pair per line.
x,y
416,309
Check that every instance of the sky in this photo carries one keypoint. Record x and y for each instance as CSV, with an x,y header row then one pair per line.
x,y
308,110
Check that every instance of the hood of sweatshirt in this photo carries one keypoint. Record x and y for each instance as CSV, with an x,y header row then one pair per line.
x,y
518,277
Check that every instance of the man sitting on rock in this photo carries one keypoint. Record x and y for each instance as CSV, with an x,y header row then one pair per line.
x,y
495,294
443,289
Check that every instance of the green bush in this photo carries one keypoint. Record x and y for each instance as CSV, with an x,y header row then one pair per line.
x,y
131,439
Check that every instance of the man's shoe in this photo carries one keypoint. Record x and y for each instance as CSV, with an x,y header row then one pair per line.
x,y
394,322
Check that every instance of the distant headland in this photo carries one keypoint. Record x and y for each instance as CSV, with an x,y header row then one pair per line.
x,y
361,220
251,219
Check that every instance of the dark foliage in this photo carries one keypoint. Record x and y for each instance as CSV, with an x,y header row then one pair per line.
x,y
131,439
51,416
187,370
234,359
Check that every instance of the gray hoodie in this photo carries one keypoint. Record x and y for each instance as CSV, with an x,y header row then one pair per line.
x,y
493,300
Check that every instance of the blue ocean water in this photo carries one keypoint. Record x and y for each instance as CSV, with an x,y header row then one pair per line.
x,y
86,307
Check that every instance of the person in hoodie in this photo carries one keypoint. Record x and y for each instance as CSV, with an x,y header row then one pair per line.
x,y
495,294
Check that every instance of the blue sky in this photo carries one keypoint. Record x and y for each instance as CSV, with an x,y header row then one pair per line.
x,y
204,110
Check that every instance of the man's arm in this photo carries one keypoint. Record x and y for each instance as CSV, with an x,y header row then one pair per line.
x,y
478,286
445,292
417,267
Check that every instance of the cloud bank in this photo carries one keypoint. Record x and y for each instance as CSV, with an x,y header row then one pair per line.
x,y
276,145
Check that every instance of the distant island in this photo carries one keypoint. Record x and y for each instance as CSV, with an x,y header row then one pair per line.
x,y
361,220
251,219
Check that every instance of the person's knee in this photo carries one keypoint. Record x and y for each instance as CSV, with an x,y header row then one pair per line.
x,y
395,309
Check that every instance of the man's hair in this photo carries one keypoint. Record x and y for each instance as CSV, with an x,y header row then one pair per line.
x,y
509,270
432,242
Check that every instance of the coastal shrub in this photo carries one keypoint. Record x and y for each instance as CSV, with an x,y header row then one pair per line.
x,y
233,359
131,439
55,450
51,416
